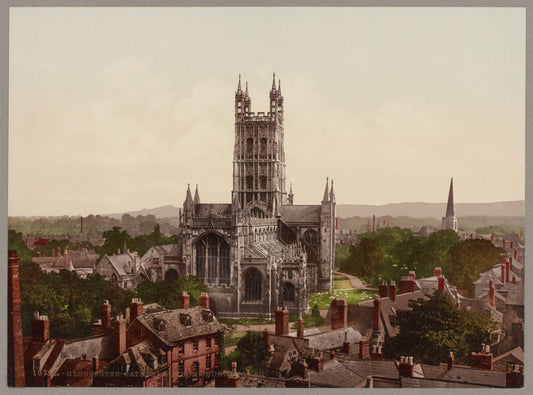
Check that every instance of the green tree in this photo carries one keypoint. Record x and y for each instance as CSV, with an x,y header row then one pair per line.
x,y
252,352
15,241
434,327
468,258
114,241
365,259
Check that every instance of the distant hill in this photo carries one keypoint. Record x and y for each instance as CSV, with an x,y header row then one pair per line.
x,y
432,210
167,211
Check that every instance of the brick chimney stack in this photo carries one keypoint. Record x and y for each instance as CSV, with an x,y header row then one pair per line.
x,y
300,327
481,360
15,348
407,284
282,322
491,293
346,344
450,360
40,328
106,315
441,283
514,279
514,377
392,291
437,272
96,364
503,273
377,314
119,336
508,271
406,367
204,300
266,338
364,348
384,290
412,274
185,298
339,313
136,309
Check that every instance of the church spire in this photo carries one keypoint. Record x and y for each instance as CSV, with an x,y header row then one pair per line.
x,y
188,198
196,196
273,82
279,87
326,191
246,91
332,193
450,208
239,89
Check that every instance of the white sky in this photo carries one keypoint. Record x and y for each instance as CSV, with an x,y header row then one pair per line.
x,y
117,109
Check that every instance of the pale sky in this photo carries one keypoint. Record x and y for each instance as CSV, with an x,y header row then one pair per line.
x,y
118,109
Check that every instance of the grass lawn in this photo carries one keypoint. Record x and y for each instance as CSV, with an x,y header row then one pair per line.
x,y
233,339
341,282
352,296
244,321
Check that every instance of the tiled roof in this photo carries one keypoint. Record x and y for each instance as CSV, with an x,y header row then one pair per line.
x,y
337,374
301,213
333,339
418,382
122,263
173,330
515,296
142,357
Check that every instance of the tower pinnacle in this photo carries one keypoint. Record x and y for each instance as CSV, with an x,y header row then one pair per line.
x,y
450,208
326,191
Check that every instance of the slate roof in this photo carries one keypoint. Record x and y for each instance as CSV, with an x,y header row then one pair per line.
x,y
428,285
466,375
333,339
301,213
253,381
515,296
122,263
264,249
338,375
420,382
517,352
138,358
83,258
65,378
215,209
174,330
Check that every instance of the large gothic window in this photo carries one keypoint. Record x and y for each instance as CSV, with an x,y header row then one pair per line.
x,y
249,147
311,236
252,284
212,259
263,147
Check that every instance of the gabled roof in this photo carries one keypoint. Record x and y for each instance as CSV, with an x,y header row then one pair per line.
x,y
517,352
122,263
461,374
336,374
264,249
173,330
333,339
301,213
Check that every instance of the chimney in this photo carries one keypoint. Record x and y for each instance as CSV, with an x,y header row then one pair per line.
x,y
377,318
40,328
119,336
136,309
450,360
407,284
96,364
481,360
185,300
437,272
15,341
204,300
412,274
282,322
511,245
339,313
81,225
266,338
515,255
508,272
38,254
491,293
106,315
364,349
346,344
492,237
377,353
441,283
384,290
65,258
406,367
300,327
316,363
514,378
503,273
373,223
392,291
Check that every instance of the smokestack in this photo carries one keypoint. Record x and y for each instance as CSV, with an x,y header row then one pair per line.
x,y
514,279
346,344
412,274
503,273
185,298
508,271
364,349
407,284
96,364
15,341
81,225
373,223
266,338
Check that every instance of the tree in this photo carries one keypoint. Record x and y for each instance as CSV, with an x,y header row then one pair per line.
x,y
468,259
252,352
434,327
365,259
114,241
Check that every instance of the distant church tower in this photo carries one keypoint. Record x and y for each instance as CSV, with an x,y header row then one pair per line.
x,y
259,156
449,222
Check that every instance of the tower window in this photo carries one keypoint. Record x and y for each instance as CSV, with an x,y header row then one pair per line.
x,y
252,285
212,251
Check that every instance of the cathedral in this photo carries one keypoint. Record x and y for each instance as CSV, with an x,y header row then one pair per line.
x,y
261,251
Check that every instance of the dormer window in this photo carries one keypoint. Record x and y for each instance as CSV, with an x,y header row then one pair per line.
x,y
207,315
185,319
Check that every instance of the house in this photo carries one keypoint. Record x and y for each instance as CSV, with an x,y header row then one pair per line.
x,y
121,269
162,262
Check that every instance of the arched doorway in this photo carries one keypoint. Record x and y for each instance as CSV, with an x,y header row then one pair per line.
x,y
252,285
212,259
288,292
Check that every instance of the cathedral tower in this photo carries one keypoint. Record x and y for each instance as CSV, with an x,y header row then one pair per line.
x,y
259,155
450,220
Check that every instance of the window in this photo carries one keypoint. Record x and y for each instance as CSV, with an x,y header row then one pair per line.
x,y
195,344
288,292
249,147
208,361
155,261
216,339
208,341
212,252
252,285
195,370
185,319
138,332
180,348
181,368
311,236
